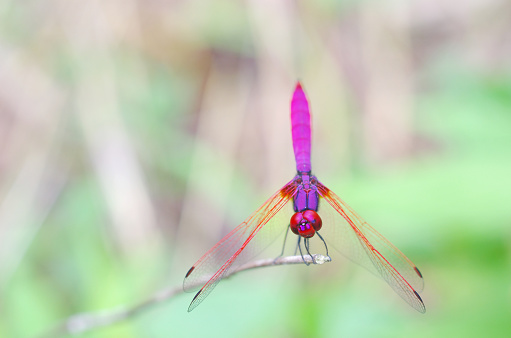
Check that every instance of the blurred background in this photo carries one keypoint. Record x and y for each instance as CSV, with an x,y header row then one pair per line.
x,y
135,134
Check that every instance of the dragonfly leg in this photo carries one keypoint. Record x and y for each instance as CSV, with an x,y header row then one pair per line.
x,y
306,241
300,248
283,246
326,246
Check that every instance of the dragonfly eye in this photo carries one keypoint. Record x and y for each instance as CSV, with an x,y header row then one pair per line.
x,y
313,218
305,223
295,222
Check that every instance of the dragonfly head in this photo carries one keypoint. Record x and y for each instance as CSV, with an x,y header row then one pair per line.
x,y
305,223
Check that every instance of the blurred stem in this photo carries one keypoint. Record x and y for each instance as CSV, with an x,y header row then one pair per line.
x,y
87,321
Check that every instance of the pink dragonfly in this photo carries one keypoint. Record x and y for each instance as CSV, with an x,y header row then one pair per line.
x,y
298,206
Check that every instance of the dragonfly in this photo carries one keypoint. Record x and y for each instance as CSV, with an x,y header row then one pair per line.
x,y
307,207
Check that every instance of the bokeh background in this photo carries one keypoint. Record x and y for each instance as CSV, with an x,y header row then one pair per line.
x,y
135,134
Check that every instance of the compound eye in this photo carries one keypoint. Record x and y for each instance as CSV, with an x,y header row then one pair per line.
x,y
296,220
313,218
305,223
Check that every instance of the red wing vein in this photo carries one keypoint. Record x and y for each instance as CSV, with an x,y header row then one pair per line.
x,y
382,265
219,253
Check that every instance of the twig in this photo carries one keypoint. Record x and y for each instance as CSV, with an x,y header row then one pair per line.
x,y
87,321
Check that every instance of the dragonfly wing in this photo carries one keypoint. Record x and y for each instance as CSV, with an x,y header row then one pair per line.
x,y
349,234
241,245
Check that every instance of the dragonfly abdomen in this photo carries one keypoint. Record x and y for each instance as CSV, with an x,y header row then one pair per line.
x,y
301,130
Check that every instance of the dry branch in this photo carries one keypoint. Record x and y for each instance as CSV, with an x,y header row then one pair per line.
x,y
87,321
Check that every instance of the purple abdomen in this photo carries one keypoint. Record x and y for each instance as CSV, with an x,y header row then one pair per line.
x,y
301,130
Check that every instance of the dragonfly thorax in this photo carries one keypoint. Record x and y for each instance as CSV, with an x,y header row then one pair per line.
x,y
305,223
306,196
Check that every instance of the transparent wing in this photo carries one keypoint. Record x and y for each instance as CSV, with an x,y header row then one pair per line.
x,y
241,245
353,237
